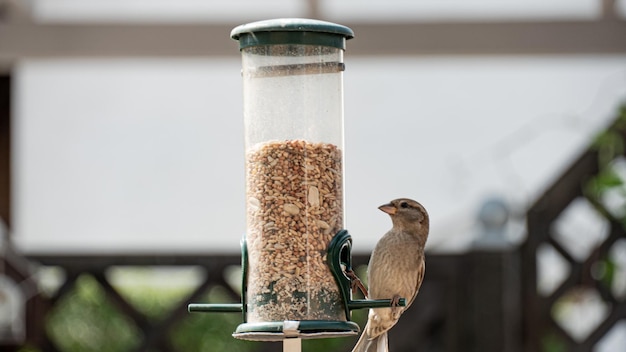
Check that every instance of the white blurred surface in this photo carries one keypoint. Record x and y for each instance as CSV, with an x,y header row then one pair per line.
x,y
147,155
472,10
129,155
452,131
165,10
346,10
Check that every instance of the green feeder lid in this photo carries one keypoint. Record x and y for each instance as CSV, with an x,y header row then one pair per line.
x,y
292,31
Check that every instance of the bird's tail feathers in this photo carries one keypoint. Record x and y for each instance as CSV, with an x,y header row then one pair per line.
x,y
379,343
383,343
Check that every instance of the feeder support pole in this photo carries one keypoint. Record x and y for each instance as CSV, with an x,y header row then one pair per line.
x,y
292,345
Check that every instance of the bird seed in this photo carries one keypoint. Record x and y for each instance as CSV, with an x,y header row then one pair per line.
x,y
294,208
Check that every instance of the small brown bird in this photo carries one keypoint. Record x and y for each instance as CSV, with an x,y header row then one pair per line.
x,y
395,270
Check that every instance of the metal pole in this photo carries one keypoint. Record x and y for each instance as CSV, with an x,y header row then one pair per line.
x,y
292,345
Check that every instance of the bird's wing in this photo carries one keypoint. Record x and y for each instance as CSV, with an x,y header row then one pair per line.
x,y
420,278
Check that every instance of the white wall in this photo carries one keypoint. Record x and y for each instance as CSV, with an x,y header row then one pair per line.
x,y
347,10
142,155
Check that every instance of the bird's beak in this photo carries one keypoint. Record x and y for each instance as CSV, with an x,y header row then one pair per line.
x,y
388,208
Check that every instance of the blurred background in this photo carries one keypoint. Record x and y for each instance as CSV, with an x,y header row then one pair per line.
x,y
122,171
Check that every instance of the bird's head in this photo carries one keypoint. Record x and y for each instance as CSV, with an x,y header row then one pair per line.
x,y
407,214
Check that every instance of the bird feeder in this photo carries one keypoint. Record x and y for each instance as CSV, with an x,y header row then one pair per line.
x,y
296,254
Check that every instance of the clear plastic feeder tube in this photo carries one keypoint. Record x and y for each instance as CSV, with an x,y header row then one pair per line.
x,y
293,116
293,92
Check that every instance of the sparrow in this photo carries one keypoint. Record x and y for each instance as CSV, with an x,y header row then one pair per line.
x,y
395,270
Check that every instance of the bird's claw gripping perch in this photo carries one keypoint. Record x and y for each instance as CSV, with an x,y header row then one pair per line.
x,y
395,301
356,283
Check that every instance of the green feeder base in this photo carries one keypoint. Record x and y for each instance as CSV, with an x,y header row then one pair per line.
x,y
305,329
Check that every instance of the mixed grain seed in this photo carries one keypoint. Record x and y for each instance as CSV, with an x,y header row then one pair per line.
x,y
294,193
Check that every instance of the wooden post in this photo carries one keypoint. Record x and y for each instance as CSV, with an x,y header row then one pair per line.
x,y
5,149
292,345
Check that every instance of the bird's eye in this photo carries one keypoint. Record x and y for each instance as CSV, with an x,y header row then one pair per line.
x,y
404,205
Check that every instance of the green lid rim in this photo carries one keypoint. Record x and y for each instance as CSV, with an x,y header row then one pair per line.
x,y
297,38
292,31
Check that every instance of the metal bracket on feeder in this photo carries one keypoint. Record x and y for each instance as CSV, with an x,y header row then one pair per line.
x,y
340,262
228,307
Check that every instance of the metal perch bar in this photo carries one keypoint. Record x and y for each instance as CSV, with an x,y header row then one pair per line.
x,y
374,303
237,307
214,308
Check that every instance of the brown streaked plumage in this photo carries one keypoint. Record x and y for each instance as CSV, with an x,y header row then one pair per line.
x,y
396,270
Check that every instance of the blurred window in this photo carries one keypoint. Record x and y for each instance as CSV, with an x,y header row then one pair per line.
x,y
165,10
479,10
346,10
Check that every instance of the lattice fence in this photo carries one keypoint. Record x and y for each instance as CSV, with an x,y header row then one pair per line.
x,y
574,260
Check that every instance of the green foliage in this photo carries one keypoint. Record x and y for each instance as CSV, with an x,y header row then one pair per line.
x,y
553,343
86,320
154,302
609,145
210,332
606,180
605,270
28,348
